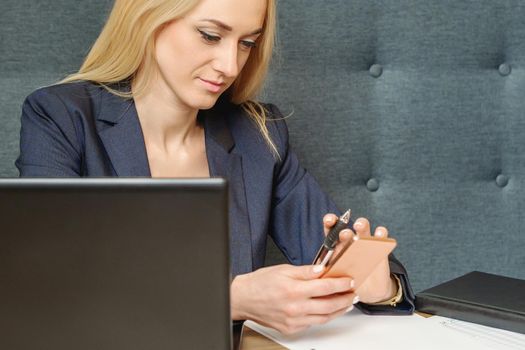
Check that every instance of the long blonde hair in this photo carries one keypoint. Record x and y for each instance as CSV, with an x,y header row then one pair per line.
x,y
127,41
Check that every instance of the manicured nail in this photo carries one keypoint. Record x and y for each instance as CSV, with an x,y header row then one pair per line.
x,y
356,299
318,268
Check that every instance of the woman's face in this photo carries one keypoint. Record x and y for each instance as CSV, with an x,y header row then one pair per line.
x,y
200,55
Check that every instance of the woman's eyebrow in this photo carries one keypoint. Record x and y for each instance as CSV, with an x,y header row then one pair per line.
x,y
227,27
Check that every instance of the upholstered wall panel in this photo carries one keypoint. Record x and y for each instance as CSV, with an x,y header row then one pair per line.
x,y
411,113
40,43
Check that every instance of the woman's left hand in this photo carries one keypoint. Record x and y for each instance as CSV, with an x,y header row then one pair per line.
x,y
379,285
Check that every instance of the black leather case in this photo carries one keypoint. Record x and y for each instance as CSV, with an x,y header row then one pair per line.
x,y
478,297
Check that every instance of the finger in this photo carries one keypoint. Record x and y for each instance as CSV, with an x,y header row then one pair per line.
x,y
329,220
362,227
325,287
305,272
322,319
331,304
346,235
381,232
312,320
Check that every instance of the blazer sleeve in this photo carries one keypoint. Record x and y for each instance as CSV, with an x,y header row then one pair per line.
x,y
298,206
49,145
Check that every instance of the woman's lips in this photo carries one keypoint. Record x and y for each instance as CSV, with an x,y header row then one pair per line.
x,y
212,86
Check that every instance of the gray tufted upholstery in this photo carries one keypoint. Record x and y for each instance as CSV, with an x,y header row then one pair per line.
x,y
40,42
410,112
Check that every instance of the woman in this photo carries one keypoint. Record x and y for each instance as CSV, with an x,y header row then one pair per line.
x,y
167,91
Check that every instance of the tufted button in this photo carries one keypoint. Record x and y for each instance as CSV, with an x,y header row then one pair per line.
x,y
372,185
504,69
376,70
502,180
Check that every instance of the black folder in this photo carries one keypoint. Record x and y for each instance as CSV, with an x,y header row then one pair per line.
x,y
478,297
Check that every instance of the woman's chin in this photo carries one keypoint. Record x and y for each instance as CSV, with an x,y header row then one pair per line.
x,y
207,103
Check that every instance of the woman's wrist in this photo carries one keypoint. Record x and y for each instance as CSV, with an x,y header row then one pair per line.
x,y
394,286
236,292
396,293
378,291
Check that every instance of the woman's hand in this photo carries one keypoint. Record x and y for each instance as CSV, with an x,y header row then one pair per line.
x,y
290,298
379,286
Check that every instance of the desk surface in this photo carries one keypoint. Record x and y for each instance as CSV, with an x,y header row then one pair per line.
x,y
251,340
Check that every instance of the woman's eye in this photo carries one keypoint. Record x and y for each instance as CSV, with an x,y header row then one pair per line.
x,y
209,37
247,44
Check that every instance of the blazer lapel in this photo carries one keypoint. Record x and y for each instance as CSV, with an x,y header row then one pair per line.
x,y
224,162
119,129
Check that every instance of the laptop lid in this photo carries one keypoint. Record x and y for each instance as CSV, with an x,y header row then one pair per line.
x,y
114,264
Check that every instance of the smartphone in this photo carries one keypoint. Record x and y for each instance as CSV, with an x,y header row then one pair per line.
x,y
359,258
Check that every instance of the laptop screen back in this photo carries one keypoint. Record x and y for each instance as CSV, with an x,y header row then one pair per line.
x,y
114,264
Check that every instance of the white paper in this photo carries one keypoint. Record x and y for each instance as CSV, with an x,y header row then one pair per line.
x,y
358,331
496,338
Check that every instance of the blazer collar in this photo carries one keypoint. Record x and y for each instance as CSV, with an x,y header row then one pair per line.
x,y
119,129
116,111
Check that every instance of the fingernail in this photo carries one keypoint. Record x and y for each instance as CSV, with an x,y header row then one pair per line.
x,y
356,299
358,224
318,268
352,284
350,308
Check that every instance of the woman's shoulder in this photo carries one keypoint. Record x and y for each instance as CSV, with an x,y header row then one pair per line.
x,y
71,91
64,101
68,106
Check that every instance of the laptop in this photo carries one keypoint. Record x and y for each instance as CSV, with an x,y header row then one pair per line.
x,y
114,264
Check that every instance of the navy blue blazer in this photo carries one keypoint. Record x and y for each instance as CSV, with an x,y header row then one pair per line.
x,y
82,130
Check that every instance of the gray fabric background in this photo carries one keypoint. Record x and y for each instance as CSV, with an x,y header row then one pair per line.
x,y
409,112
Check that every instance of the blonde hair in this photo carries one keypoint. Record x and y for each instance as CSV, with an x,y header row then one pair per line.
x,y
127,41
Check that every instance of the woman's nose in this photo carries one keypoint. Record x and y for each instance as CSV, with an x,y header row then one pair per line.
x,y
227,61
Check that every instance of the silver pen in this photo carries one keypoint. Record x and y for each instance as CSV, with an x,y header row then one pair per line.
x,y
332,238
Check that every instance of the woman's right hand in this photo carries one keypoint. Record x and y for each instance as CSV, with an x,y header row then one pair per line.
x,y
290,298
